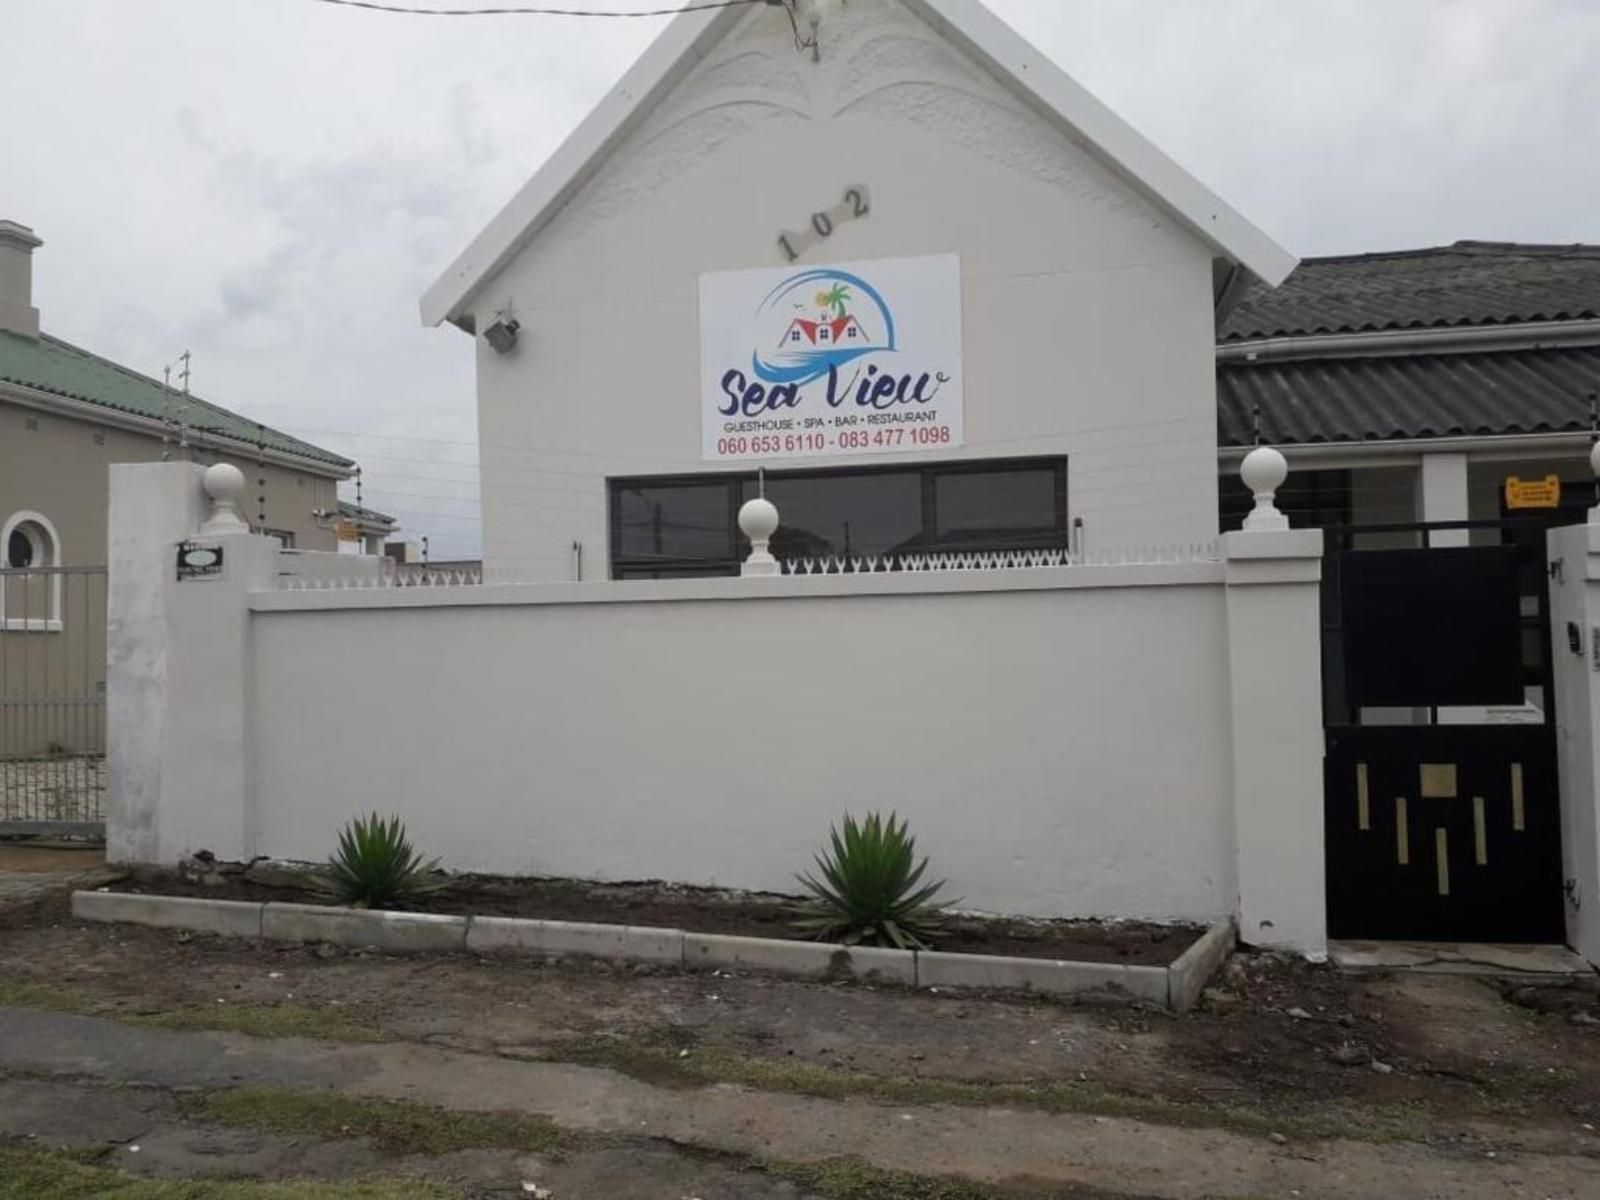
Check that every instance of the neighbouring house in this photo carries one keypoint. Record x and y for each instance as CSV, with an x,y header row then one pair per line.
x,y
1419,385
1437,397
367,528
67,414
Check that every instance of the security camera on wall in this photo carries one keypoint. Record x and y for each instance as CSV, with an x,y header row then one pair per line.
x,y
502,333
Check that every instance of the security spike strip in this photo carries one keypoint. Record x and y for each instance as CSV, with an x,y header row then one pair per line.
x,y
996,560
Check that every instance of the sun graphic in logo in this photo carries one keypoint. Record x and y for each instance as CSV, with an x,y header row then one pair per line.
x,y
834,298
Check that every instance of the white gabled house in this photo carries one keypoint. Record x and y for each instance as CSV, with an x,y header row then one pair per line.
x,y
1090,270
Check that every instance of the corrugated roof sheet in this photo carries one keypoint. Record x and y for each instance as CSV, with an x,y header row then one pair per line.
x,y
1414,396
51,365
354,512
1469,283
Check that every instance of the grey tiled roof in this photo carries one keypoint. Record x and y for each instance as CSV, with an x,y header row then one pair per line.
x,y
1469,283
1307,399
1407,396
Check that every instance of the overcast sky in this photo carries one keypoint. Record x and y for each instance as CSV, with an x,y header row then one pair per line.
x,y
271,184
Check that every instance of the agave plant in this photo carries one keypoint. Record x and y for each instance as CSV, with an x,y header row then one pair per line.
x,y
868,891
375,865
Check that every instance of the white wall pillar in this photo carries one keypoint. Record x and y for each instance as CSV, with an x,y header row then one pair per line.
x,y
176,685
1275,677
1442,496
1575,598
1275,664
152,506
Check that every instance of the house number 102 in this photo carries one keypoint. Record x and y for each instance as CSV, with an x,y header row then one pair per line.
x,y
857,203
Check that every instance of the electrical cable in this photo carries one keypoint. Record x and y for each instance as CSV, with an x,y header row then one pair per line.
x,y
533,10
801,42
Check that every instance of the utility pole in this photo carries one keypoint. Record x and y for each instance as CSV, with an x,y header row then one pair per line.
x,y
166,413
183,408
261,476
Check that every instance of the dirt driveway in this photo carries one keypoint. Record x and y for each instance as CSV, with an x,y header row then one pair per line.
x,y
273,1062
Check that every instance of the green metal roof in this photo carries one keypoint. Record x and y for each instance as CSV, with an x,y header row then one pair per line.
x,y
51,365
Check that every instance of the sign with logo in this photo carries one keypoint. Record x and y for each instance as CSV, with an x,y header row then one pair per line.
x,y
199,562
1533,493
860,358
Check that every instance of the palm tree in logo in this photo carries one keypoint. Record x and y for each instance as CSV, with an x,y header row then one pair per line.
x,y
834,298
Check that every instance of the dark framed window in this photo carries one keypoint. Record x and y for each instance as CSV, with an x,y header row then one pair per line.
x,y
677,526
285,536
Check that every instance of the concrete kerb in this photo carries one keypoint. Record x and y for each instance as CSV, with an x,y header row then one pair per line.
x,y
1175,986
232,918
936,968
808,960
1188,976
363,927
554,939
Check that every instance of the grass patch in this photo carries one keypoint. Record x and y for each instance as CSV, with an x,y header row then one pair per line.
x,y
255,1020
852,1179
262,1020
39,996
395,1126
37,1175
665,1066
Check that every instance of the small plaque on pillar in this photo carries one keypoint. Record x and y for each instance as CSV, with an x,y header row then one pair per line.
x,y
197,561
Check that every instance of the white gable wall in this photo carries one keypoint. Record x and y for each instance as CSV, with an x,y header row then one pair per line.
x,y
1087,312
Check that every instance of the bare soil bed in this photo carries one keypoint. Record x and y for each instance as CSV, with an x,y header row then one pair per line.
x,y
699,910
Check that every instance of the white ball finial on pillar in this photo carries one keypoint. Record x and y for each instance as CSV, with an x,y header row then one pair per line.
x,y
1263,471
1594,466
224,484
759,520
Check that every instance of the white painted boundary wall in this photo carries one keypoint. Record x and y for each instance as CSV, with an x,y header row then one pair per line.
x,y
1575,598
1139,741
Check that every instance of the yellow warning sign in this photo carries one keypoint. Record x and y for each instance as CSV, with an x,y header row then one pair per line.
x,y
1533,493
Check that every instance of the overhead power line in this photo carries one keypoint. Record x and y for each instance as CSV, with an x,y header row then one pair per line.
x,y
528,10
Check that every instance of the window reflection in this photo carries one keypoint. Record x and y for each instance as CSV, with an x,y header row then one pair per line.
x,y
676,526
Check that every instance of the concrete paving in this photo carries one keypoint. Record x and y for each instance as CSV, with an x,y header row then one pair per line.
x,y
30,872
1458,958
989,1145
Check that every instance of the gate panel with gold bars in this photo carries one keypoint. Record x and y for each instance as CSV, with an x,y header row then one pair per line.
x,y
1443,833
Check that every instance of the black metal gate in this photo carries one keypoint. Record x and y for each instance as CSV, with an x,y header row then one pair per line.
x,y
52,701
1441,804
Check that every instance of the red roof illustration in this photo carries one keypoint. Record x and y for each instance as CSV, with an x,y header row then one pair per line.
x,y
837,328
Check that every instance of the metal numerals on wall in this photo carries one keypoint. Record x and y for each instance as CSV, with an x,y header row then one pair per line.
x,y
857,203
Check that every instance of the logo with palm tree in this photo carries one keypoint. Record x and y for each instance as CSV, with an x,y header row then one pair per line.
x,y
816,321
834,298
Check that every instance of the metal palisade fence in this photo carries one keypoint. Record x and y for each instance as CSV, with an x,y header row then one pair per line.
x,y
52,700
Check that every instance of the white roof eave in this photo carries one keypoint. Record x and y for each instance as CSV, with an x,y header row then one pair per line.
x,y
966,23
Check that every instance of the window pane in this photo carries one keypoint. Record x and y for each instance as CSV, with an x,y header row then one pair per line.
x,y
846,513
675,522
995,508
19,550
676,571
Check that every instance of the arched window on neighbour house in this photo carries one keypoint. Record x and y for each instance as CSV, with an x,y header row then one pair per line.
x,y
30,584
